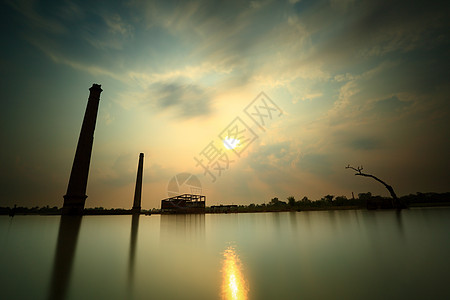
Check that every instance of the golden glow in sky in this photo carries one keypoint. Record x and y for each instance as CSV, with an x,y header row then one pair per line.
x,y
234,286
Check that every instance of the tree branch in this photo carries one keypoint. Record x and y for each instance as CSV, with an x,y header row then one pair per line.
x,y
387,186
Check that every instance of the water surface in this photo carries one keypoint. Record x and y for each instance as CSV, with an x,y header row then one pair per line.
x,y
353,254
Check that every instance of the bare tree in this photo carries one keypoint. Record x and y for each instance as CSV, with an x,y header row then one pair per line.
x,y
396,202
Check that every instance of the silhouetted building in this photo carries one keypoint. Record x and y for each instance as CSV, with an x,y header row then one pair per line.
x,y
75,197
184,204
138,190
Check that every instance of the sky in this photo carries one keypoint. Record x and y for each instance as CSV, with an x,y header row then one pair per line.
x,y
300,89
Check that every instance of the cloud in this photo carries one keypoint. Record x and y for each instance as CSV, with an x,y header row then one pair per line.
x,y
188,100
34,19
113,33
274,157
365,143
367,30
316,163
49,49
346,92
107,118
401,26
123,170
372,75
356,93
390,105
61,32
191,72
116,25
71,11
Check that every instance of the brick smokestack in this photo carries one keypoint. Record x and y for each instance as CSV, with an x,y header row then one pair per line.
x,y
75,197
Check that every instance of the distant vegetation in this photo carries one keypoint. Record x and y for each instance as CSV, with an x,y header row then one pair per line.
x,y
46,210
364,200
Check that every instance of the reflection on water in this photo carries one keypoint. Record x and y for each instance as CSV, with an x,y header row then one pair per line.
x,y
133,240
401,230
304,255
189,228
234,286
69,228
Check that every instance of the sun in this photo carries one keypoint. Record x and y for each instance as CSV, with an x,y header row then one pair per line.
x,y
230,143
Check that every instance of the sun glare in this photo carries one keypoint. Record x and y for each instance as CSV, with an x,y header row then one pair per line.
x,y
230,143
233,285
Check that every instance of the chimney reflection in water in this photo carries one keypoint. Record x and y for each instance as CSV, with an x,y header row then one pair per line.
x,y
133,241
234,286
66,246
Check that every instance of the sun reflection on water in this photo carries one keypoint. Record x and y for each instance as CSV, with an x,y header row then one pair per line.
x,y
234,286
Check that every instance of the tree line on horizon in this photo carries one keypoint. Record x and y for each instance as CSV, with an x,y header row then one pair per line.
x,y
364,200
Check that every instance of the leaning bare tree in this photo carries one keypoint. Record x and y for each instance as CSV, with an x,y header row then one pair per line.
x,y
396,202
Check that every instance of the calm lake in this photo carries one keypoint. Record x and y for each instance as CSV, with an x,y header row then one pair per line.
x,y
353,254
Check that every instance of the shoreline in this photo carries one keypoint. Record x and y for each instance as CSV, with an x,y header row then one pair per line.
x,y
243,209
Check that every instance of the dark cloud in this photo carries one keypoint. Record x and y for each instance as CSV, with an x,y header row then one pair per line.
x,y
318,164
273,163
187,100
390,105
369,29
365,143
277,155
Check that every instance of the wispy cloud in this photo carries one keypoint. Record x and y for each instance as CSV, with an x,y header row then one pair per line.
x,y
116,25
113,33
34,19
45,47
